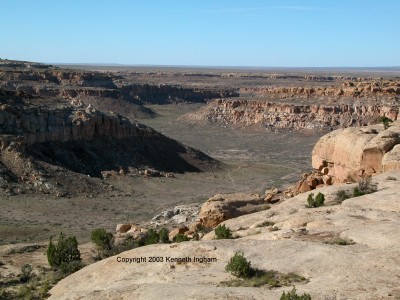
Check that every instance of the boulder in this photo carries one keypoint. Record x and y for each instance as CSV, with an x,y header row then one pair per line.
x,y
180,230
353,152
222,207
123,228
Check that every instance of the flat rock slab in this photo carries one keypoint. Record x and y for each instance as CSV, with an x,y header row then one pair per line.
x,y
368,269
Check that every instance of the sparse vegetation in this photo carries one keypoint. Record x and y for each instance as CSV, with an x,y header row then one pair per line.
x,y
102,239
292,295
341,196
265,223
222,232
180,238
26,273
250,277
163,235
365,186
317,201
340,241
152,237
385,121
64,255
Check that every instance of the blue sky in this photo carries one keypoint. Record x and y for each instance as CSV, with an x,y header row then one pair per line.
x,y
285,33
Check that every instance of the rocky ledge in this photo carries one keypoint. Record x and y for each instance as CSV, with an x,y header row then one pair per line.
x,y
288,115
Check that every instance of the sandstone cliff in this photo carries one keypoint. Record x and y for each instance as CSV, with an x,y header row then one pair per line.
x,y
358,88
353,152
287,115
39,141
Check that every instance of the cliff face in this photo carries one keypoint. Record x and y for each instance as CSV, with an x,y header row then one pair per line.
x,y
358,88
74,123
291,116
40,143
354,152
161,94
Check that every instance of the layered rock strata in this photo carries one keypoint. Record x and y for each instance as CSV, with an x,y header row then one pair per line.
x,y
357,88
41,124
289,116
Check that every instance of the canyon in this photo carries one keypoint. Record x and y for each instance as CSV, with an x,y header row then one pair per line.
x,y
84,147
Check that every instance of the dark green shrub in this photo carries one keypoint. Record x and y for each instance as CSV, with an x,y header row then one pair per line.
x,y
317,201
222,232
71,267
292,295
163,235
357,192
180,238
341,196
239,266
102,238
65,251
26,273
385,121
152,237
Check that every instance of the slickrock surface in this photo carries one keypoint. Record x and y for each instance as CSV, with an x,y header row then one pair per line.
x,y
352,152
299,242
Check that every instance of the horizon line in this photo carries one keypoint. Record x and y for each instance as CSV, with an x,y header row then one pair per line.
x,y
220,66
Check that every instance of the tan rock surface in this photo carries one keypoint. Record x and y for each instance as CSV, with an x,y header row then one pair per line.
x,y
367,269
222,207
352,152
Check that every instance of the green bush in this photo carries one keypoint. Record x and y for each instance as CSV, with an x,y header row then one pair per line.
x,y
239,266
65,251
152,237
385,121
317,201
71,267
357,192
180,238
102,238
222,232
163,235
292,295
26,273
341,196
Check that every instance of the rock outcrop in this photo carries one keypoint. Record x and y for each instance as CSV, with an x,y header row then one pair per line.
x,y
69,123
40,142
356,88
48,81
222,207
340,249
351,153
289,116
